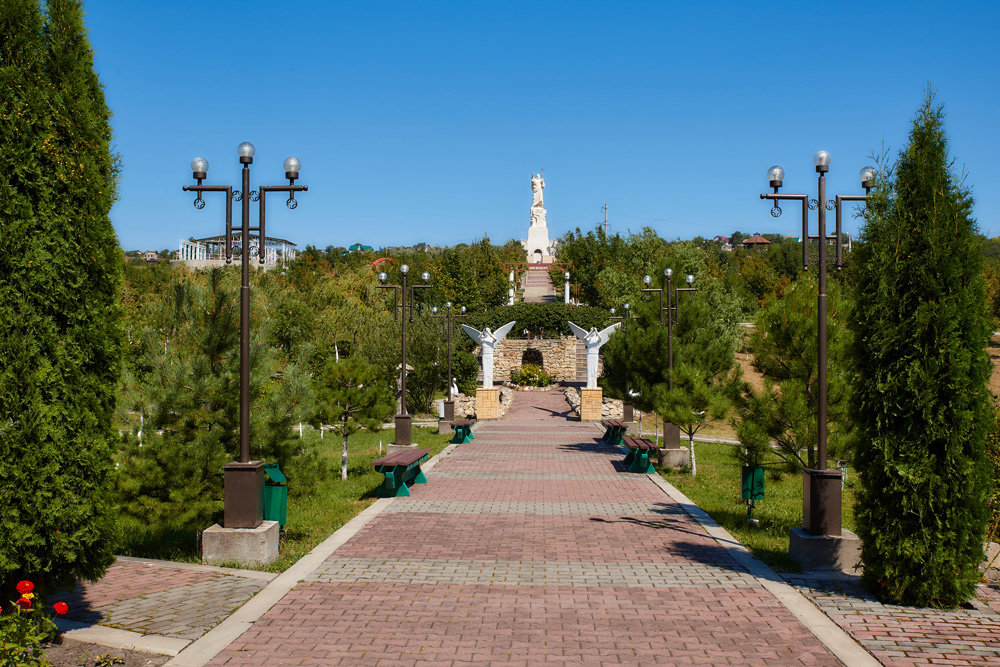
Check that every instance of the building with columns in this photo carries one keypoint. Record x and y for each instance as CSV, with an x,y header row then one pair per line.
x,y
211,251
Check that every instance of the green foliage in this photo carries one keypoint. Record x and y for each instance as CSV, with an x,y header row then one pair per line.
x,y
548,320
531,375
22,633
180,405
922,406
349,397
636,360
60,280
786,410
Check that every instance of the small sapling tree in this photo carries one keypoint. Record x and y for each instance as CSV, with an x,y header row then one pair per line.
x,y
349,397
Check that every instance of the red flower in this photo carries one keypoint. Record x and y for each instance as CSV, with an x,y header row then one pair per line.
x,y
25,587
61,608
24,603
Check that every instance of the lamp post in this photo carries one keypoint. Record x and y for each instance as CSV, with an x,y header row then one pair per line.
x,y
821,509
449,324
402,296
566,288
672,311
244,479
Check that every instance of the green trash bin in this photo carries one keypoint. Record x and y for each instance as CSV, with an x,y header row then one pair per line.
x,y
275,494
752,482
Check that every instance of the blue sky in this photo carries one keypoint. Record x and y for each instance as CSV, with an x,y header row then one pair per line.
x,y
422,121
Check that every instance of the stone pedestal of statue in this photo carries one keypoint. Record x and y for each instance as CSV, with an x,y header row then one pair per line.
x,y
487,403
591,404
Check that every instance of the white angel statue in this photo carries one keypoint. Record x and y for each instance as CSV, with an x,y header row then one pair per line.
x,y
594,340
488,340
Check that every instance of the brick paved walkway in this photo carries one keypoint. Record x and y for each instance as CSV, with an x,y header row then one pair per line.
x,y
529,545
910,635
160,598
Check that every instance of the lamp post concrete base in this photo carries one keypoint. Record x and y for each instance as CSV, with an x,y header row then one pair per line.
x,y
243,494
247,546
825,552
591,404
444,424
403,436
487,403
674,457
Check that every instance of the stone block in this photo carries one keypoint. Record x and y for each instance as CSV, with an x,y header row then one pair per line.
x,y
825,552
444,426
393,447
488,403
247,546
674,457
591,404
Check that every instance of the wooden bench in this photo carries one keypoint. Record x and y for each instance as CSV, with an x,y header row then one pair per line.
x,y
399,468
463,430
639,450
614,432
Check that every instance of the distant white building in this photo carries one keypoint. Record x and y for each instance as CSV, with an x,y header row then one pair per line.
x,y
151,256
211,251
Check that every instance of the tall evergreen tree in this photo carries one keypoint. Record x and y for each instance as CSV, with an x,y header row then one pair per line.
x,y
60,279
922,405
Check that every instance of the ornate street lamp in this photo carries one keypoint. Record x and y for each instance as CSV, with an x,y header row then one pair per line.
x,y
244,479
821,500
671,310
449,323
402,296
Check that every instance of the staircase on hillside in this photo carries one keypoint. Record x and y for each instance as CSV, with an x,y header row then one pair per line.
x,y
538,287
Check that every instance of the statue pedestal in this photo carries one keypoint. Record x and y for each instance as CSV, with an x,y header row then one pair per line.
x,y
591,402
488,403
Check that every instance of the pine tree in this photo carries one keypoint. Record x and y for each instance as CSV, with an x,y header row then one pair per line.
x,y
350,397
786,409
60,279
921,406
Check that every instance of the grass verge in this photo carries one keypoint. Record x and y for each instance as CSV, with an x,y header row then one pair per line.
x,y
716,489
312,515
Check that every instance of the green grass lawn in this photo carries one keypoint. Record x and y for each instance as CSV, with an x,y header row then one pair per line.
x,y
312,516
716,489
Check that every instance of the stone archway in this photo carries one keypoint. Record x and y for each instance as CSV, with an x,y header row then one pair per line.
x,y
537,256
532,355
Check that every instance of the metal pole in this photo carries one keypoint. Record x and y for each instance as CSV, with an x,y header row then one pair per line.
x,y
402,370
821,323
450,378
671,296
245,320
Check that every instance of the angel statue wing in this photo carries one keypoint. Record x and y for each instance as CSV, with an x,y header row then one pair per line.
x,y
580,333
502,332
605,334
474,334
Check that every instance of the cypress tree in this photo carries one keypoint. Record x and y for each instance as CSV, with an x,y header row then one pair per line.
x,y
60,278
921,401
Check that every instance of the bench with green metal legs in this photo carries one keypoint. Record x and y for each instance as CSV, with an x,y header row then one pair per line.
x,y
639,452
399,468
614,432
463,430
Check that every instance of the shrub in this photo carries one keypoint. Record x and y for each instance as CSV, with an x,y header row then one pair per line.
x,y
531,375
60,283
922,405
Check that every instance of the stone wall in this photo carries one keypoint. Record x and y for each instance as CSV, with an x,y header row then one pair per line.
x,y
559,358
